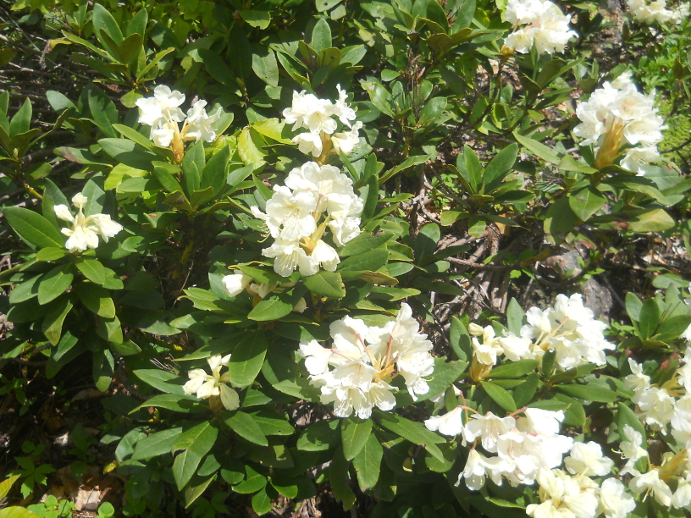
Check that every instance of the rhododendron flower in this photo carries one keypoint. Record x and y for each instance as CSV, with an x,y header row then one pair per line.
x,y
85,229
544,26
205,386
451,423
354,373
657,11
614,501
162,112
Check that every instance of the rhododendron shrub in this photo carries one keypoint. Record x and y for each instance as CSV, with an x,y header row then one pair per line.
x,y
286,242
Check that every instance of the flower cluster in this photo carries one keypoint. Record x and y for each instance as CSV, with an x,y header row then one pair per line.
x,y
657,11
522,446
487,352
661,410
294,213
162,112
317,117
215,385
85,229
355,372
567,496
616,115
545,26
570,330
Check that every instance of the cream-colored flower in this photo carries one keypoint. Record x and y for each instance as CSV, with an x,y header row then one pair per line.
x,y
205,385
85,229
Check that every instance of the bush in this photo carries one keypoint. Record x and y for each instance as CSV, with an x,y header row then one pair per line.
x,y
296,246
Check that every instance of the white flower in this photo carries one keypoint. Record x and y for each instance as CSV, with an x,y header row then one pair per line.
x,y
236,283
614,501
516,348
486,352
477,467
85,229
451,423
310,112
341,109
289,214
657,407
650,482
587,459
546,26
346,141
355,372
309,143
162,112
488,427
206,386
324,255
288,256
681,420
656,11
541,422
564,497
569,329
617,114
636,381
199,124
685,371
682,496
631,450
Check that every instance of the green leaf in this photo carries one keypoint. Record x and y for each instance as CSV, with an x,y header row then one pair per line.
x,y
175,402
271,308
55,317
320,436
499,395
272,424
196,443
354,434
17,512
460,340
214,174
253,482
96,299
250,148
260,19
649,318
51,254
368,461
33,228
160,379
473,168
264,65
500,165
634,306
103,111
21,122
586,202
243,424
134,135
247,359
626,416
412,431
103,369
514,317
261,502
364,242
514,369
6,485
338,476
326,284
104,22
321,36
128,152
371,261
537,148
92,270
655,220
596,393
272,128
26,290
